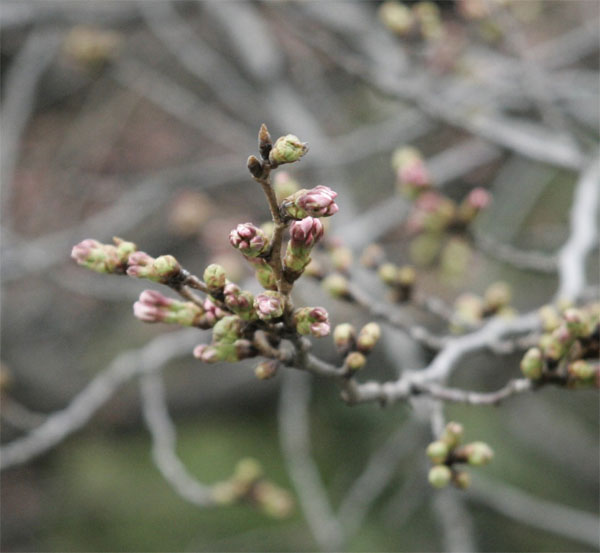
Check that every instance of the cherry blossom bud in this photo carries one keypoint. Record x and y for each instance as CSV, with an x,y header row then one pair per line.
x,y
412,177
265,275
312,320
552,347
248,470
341,258
461,479
497,296
212,314
432,212
437,451
273,500
208,354
355,361
396,17
477,453
477,200
264,142
241,302
215,277
287,149
103,258
452,434
162,269
266,369
344,336
469,309
372,256
576,321
368,337
532,364
269,305
439,476
317,202
284,185
306,232
388,273
581,370
228,329
550,318
249,239
153,307
255,167
124,248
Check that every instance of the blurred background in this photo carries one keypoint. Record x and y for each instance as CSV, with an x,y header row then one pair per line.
x,y
135,119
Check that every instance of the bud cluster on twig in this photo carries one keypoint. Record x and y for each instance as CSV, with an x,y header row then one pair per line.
x,y
447,452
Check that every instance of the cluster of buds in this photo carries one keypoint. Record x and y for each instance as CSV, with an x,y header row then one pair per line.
x,y
250,240
355,347
269,305
423,19
312,321
228,343
248,484
153,307
163,269
316,202
447,451
103,258
567,351
400,280
470,310
238,301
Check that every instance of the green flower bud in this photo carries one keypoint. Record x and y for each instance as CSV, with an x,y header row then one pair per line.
x,y
388,273
225,493
343,336
439,476
124,248
437,451
248,470
461,479
166,267
287,149
228,330
532,364
550,318
576,322
336,285
406,276
582,370
341,258
215,277
273,501
398,19
355,361
478,453
266,369
453,434
368,337
497,295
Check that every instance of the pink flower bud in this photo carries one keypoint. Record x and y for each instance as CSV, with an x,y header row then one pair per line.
x,y
318,202
147,313
152,297
139,264
82,251
479,198
249,239
306,233
312,320
208,354
102,258
269,305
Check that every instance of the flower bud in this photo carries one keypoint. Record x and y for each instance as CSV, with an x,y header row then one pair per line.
x,y
312,320
372,256
388,274
264,142
478,453
469,309
532,364
240,302
461,479
550,318
247,470
355,361
552,348
265,276
269,305
287,149
273,501
497,296
103,258
396,17
162,269
477,200
227,330
225,493
208,354
368,337
576,322
304,235
337,285
341,258
581,370
153,307
439,476
452,434
284,185
343,336
215,277
412,177
255,167
249,239
437,451
317,202
266,369
212,313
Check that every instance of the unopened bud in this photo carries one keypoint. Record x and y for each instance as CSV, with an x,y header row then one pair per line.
x,y
576,322
249,240
287,149
343,336
478,453
461,479
312,320
437,451
368,337
269,305
355,361
162,269
255,167
396,17
341,259
317,202
452,434
228,329
266,369
372,256
337,285
582,370
550,318
247,470
477,200
273,501
532,364
215,277
264,142
439,476
388,273
497,296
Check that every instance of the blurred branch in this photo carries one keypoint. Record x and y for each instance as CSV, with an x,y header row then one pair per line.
x,y
20,87
454,521
294,436
524,508
100,389
164,443
584,232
